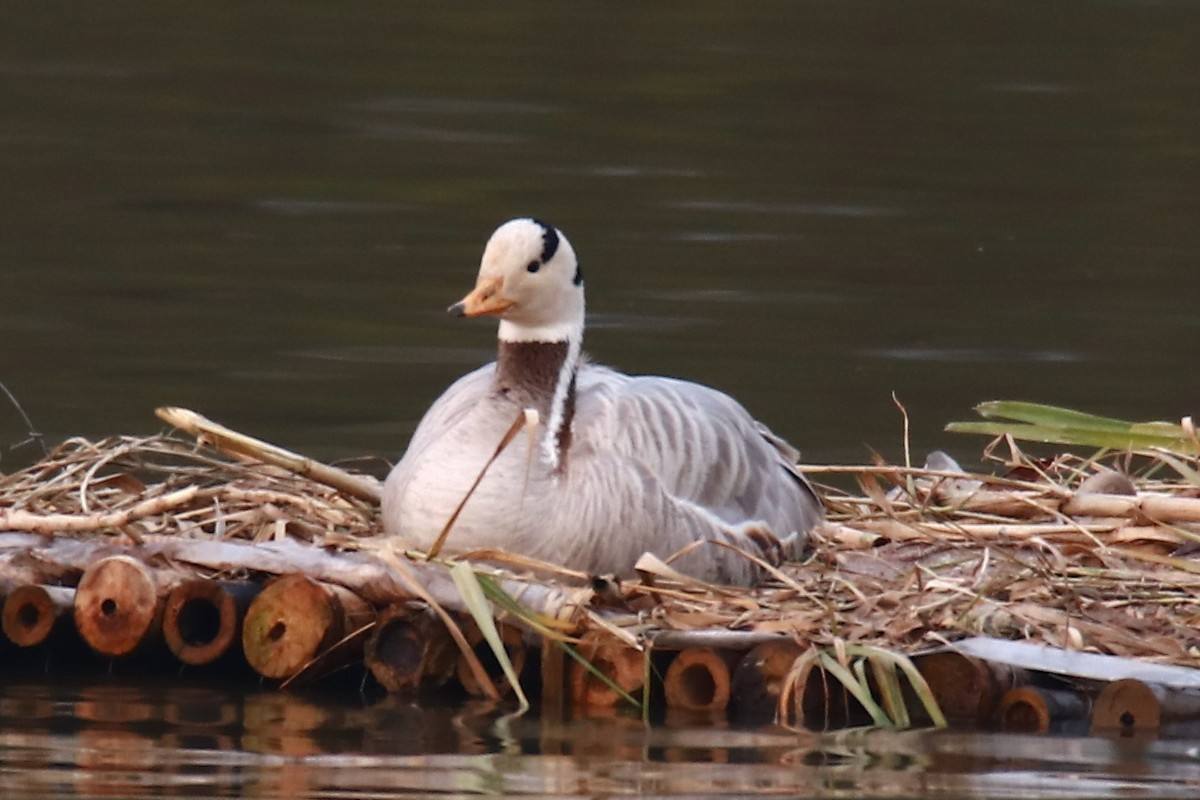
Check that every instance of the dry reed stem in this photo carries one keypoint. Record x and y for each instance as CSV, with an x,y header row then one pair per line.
x,y
240,445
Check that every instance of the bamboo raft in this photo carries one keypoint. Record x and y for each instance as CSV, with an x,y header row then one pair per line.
x,y
1060,595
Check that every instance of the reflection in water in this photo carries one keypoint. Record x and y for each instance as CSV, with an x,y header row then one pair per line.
x,y
111,740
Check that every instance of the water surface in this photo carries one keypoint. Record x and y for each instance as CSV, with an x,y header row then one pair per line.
x,y
114,739
260,211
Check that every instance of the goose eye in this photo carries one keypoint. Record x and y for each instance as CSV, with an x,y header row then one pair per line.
x,y
534,266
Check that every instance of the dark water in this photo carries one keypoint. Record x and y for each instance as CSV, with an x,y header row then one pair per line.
x,y
260,210
116,741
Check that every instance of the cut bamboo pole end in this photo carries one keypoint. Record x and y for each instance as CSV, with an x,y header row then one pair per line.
x,y
410,648
699,680
758,680
295,619
33,612
202,619
621,664
1133,705
965,688
1034,709
238,444
118,605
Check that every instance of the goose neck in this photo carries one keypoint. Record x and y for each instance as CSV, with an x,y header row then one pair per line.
x,y
533,370
541,375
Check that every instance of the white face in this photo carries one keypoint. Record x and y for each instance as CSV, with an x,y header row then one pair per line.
x,y
529,278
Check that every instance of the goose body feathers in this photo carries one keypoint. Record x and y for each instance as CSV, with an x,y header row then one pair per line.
x,y
620,465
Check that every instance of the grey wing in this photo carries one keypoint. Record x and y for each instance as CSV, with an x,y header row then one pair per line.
x,y
789,459
704,467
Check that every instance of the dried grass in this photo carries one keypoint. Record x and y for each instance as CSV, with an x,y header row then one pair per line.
x,y
1020,555
160,485
908,559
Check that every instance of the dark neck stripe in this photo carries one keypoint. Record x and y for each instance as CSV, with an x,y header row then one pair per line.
x,y
528,371
527,374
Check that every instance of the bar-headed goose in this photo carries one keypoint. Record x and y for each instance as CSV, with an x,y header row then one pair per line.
x,y
622,464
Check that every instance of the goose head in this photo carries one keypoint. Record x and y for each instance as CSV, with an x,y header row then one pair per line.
x,y
530,279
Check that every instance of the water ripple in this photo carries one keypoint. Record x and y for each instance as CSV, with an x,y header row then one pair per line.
x,y
976,355
790,209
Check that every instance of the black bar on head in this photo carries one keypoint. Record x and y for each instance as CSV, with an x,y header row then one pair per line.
x,y
549,240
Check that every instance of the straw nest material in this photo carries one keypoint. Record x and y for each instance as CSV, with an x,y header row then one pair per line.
x,y
161,485
1068,552
1083,554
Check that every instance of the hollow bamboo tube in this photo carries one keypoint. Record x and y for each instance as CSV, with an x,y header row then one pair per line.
x,y
202,619
295,619
621,664
1130,704
758,680
1034,709
965,688
410,648
699,679
32,612
118,605
514,644
826,704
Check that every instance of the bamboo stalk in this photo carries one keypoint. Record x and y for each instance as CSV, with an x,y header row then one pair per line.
x,y
1035,709
239,444
1148,506
758,680
202,619
295,619
965,688
1130,704
118,604
368,574
717,638
622,665
699,679
1028,504
410,648
33,612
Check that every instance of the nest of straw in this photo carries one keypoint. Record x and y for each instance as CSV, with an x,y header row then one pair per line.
x,y
1086,554
1093,555
161,485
